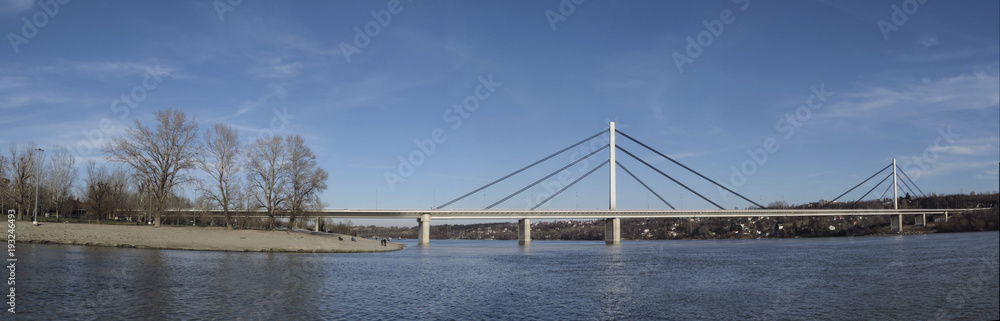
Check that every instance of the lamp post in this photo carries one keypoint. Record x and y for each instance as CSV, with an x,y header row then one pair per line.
x,y
35,220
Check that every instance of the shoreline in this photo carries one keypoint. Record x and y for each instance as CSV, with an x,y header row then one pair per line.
x,y
880,234
187,238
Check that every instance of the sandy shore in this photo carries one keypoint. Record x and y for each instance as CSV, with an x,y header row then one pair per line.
x,y
194,238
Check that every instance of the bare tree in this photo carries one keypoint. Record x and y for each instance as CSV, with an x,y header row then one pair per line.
x,y
61,177
144,196
267,175
23,167
245,202
4,185
98,191
306,179
121,196
161,156
221,161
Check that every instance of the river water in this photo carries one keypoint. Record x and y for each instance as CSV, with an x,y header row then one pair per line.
x,y
937,276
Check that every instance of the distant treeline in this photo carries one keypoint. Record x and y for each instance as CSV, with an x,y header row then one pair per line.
x,y
735,228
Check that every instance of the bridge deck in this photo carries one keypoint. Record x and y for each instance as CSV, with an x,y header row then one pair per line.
x,y
597,214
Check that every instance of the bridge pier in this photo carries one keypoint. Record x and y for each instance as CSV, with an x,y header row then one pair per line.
x,y
424,235
524,231
896,223
940,218
920,220
612,231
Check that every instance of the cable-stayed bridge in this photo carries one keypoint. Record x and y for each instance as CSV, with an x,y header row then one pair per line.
x,y
612,216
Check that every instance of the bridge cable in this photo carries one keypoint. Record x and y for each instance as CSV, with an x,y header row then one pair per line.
x,y
687,168
547,177
668,176
571,184
908,188
644,185
869,191
911,181
859,184
887,188
522,169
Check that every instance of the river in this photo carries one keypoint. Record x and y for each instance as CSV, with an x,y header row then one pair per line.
x,y
936,276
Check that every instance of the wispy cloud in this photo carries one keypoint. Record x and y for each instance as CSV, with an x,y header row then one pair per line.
x,y
15,7
991,174
970,147
276,68
964,92
40,85
929,41
273,91
945,54
373,166
951,167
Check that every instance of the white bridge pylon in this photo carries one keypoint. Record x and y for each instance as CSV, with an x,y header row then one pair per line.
x,y
612,225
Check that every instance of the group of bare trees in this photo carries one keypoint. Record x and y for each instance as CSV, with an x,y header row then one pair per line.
x,y
27,178
106,192
282,175
151,164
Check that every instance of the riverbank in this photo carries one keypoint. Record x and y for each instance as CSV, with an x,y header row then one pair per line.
x,y
194,238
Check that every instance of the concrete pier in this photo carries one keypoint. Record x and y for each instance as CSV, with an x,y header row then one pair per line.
x,y
613,231
424,235
524,231
920,220
896,223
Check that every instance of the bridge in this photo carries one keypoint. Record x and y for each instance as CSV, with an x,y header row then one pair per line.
x,y
612,216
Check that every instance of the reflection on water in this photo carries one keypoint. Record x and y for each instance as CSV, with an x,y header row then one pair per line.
x,y
931,276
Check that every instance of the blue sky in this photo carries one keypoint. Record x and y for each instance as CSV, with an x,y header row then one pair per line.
x,y
535,76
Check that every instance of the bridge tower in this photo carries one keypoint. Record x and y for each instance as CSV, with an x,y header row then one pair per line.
x,y
612,226
895,221
895,190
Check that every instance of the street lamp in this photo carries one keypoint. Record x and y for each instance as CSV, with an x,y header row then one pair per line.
x,y
35,221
